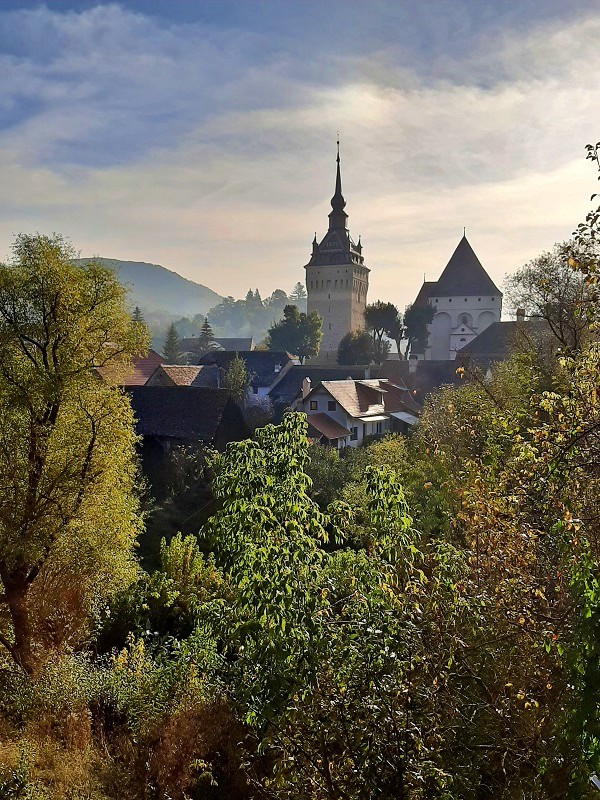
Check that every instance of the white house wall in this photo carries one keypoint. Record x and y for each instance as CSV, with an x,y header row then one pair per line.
x,y
444,332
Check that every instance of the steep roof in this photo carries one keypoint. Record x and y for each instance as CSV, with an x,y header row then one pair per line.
x,y
179,412
499,339
261,363
425,292
465,275
357,398
232,343
494,341
326,426
179,375
289,386
141,368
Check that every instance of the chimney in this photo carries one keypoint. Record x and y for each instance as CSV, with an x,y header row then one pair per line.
x,y
305,387
520,315
412,363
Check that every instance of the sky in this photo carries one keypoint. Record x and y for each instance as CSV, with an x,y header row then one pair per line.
x,y
201,134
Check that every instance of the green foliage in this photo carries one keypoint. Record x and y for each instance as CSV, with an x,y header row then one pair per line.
x,y
356,347
251,316
171,349
68,515
554,291
237,379
416,320
298,333
380,318
267,534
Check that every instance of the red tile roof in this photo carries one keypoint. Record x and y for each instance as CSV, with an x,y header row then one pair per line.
x,y
136,374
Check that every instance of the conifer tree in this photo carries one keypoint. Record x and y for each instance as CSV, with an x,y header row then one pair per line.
x,y
206,339
137,315
171,349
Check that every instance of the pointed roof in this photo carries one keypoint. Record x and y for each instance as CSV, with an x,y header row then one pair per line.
x,y
337,246
337,216
465,275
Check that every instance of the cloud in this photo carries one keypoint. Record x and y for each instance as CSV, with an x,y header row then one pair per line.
x,y
211,150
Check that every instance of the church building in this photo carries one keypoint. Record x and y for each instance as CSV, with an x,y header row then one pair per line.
x,y
337,279
465,300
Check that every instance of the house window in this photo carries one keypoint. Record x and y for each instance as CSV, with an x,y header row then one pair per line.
x,y
353,434
255,389
380,427
313,405
331,405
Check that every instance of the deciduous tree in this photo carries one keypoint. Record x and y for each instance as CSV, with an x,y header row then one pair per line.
x,y
297,333
356,347
416,320
68,516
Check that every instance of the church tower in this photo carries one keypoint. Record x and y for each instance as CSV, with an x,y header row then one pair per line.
x,y
337,279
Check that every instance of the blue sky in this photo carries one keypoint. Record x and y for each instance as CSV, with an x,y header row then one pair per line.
x,y
201,135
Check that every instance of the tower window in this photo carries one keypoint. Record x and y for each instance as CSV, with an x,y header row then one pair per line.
x,y
465,299
449,299
330,326
479,299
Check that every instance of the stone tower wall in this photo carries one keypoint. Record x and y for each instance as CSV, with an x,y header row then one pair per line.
x,y
339,295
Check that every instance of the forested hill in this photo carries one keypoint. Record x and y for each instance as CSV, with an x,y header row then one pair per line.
x,y
153,287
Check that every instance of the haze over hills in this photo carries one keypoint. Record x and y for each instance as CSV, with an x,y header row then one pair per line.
x,y
155,288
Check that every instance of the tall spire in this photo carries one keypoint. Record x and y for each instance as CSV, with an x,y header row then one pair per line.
x,y
337,216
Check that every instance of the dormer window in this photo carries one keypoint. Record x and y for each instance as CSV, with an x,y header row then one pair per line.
x,y
277,368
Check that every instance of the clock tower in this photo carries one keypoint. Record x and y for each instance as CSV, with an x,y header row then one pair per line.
x,y
337,279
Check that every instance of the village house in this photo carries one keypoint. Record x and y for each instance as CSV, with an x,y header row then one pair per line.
x,y
344,413
167,417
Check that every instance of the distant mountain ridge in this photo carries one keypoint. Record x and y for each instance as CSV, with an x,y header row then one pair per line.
x,y
156,288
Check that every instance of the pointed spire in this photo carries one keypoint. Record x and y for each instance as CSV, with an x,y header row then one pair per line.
x,y
337,216
359,245
315,244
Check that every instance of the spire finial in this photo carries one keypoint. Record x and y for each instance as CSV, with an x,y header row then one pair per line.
x,y
464,231
338,217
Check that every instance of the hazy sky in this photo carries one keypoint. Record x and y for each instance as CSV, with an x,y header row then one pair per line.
x,y
201,134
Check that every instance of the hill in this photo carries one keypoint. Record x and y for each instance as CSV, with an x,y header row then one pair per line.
x,y
155,288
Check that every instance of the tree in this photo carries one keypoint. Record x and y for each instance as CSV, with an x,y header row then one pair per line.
x,y
68,516
416,320
379,318
357,347
554,291
171,350
237,379
297,333
137,315
206,340
395,331
298,293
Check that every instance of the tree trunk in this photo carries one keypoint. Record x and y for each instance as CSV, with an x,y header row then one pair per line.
x,y
16,592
